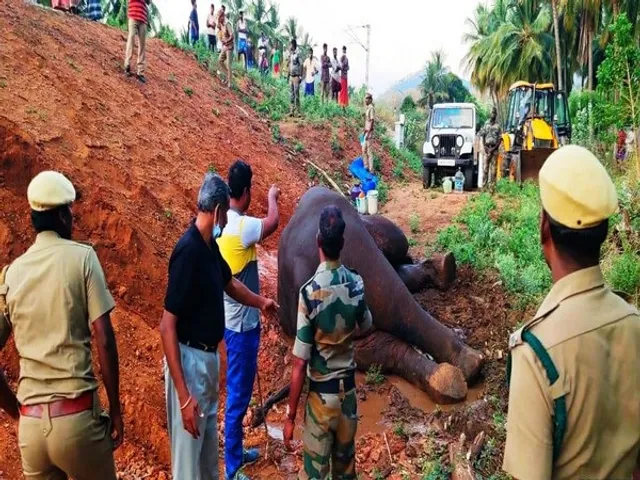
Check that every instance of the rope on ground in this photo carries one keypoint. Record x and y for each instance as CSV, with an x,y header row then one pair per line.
x,y
266,430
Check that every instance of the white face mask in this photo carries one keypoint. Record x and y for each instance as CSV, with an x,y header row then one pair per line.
x,y
217,230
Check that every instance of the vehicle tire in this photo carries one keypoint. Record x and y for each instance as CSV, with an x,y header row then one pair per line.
x,y
426,177
468,178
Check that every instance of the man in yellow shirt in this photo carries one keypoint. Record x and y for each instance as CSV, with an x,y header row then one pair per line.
x,y
574,408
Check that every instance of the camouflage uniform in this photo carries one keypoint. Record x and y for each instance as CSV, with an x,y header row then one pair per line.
x,y
490,134
330,305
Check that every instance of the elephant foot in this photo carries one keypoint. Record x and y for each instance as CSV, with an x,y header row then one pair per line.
x,y
442,268
438,271
443,382
470,362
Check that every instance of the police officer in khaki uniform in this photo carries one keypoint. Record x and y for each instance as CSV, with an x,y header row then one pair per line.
x,y
51,298
574,399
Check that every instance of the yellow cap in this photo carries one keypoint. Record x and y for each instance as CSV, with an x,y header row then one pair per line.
x,y
49,190
575,189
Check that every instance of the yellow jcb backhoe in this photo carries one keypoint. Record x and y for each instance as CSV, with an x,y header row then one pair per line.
x,y
537,123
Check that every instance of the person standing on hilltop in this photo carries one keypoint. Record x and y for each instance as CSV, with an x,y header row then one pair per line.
x,y
192,327
211,28
331,310
226,52
335,75
574,408
52,298
310,69
295,74
276,60
194,25
369,125
242,324
344,75
243,31
138,17
325,75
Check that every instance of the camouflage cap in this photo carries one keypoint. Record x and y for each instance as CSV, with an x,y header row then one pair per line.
x,y
49,190
575,189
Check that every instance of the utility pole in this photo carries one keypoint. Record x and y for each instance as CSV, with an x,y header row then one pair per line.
x,y
367,47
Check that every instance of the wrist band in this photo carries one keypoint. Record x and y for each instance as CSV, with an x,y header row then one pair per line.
x,y
186,403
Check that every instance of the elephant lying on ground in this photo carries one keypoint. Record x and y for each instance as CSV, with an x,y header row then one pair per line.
x,y
400,323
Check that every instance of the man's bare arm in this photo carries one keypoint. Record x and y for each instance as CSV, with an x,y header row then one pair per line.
x,y
108,358
272,220
169,334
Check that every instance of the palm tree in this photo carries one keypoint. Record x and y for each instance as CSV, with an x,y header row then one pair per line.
x,y
556,32
434,83
291,29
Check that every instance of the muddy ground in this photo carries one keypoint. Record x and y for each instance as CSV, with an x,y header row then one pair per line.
x,y
136,155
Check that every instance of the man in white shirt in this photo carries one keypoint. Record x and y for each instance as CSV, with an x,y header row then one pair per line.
x,y
242,324
336,78
310,68
211,29
242,38
263,50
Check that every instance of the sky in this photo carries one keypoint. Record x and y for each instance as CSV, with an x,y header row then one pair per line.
x,y
402,35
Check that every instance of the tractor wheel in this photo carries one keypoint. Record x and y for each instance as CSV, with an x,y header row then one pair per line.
x,y
426,177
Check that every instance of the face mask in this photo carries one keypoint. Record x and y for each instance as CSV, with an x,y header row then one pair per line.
x,y
217,232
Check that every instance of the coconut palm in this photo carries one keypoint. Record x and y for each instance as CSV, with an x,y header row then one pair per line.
x,y
434,85
556,33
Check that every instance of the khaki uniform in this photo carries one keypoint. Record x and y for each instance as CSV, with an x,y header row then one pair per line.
x,y
137,29
55,290
593,338
330,306
369,118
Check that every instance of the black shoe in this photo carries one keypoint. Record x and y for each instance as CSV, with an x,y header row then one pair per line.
x,y
141,78
127,71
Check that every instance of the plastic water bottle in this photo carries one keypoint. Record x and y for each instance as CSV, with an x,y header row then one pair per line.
x,y
447,185
355,192
459,181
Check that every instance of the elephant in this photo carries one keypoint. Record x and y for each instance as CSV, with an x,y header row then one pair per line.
x,y
372,247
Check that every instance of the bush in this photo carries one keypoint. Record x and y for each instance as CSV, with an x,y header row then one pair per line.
x,y
168,36
624,273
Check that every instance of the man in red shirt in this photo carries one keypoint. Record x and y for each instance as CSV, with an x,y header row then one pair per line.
x,y
138,18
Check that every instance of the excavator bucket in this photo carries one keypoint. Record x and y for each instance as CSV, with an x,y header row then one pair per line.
x,y
530,163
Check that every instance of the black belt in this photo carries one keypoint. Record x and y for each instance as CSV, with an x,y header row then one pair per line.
x,y
201,346
333,386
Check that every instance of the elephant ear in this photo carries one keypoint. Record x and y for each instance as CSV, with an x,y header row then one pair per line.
x,y
388,237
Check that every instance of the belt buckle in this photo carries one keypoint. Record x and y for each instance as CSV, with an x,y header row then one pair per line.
x,y
341,389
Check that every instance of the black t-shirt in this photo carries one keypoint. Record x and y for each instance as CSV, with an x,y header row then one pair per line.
x,y
197,278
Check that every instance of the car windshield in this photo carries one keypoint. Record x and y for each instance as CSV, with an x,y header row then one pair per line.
x,y
452,118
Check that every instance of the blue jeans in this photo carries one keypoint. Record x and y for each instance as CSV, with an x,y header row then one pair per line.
x,y
242,363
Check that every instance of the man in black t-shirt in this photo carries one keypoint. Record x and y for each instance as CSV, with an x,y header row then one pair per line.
x,y
192,326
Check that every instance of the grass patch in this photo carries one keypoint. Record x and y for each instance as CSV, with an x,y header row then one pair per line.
x,y
412,242
312,173
501,233
212,168
188,91
374,375
275,133
414,223
400,430
168,214
299,147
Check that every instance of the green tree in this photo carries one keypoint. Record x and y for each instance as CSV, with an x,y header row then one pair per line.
x,y
435,81
408,104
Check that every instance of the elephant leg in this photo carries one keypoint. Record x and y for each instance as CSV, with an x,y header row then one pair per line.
x,y
438,271
443,382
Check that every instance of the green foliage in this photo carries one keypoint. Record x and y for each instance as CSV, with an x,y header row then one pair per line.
x,y
400,430
299,147
376,163
377,474
212,168
275,133
188,91
168,214
624,273
383,192
312,173
336,148
619,75
374,375
412,242
414,223
408,104
434,470
504,240
168,36
439,84
500,423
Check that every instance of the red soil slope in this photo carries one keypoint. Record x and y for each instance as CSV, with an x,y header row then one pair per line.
x,y
136,154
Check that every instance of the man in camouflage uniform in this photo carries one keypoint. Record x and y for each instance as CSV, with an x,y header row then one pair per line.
x,y
331,304
491,137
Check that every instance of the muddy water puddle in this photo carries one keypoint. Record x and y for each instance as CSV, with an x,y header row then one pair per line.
x,y
371,411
